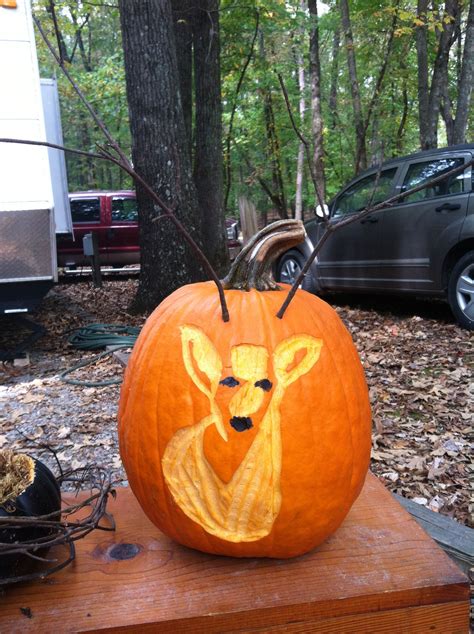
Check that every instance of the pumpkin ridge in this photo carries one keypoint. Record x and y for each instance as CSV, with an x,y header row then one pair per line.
x,y
350,493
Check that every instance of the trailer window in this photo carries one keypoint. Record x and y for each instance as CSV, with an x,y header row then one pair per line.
x,y
85,210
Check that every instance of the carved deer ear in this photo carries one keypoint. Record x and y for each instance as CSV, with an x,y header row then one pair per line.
x,y
287,370
199,348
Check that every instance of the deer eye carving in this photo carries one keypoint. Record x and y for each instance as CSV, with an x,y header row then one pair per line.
x,y
265,384
229,381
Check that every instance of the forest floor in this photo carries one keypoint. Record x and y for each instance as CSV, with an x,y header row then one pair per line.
x,y
418,364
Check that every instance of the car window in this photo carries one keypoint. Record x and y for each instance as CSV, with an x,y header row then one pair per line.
x,y
85,210
124,209
420,173
369,191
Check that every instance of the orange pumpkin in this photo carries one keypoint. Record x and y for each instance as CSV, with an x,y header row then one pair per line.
x,y
249,437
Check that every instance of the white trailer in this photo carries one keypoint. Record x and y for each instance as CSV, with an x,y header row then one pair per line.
x,y
33,184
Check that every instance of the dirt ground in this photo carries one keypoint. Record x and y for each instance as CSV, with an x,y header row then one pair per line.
x,y
418,364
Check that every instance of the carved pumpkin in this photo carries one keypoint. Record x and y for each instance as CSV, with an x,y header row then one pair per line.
x,y
249,437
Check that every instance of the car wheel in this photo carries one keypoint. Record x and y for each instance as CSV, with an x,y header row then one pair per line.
x,y
289,267
461,291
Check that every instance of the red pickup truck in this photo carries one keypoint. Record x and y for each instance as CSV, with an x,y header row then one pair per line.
x,y
113,216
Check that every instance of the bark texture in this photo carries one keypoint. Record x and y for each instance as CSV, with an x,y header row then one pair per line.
x,y
316,110
440,71
273,142
433,98
334,79
361,155
208,164
182,19
300,159
422,57
159,149
466,80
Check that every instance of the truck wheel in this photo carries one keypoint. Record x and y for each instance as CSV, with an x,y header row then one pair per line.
x,y
461,291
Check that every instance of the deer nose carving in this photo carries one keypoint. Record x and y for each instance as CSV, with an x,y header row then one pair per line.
x,y
241,423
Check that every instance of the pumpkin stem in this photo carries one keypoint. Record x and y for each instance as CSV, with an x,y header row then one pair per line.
x,y
17,472
252,268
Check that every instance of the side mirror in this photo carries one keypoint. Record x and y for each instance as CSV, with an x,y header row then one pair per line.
x,y
322,212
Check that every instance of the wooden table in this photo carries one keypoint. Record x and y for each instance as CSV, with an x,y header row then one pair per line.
x,y
379,573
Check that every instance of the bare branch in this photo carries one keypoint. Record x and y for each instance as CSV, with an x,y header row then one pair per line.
x,y
54,146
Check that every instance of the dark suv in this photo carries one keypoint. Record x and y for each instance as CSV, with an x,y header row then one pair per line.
x,y
423,244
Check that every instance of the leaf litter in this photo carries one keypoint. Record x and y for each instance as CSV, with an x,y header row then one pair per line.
x,y
418,364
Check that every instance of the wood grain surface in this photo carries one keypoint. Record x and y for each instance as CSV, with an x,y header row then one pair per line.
x,y
379,572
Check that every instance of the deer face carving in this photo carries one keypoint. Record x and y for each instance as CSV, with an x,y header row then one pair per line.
x,y
244,507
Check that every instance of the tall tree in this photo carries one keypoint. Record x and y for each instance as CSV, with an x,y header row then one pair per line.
x,y
430,102
159,148
208,164
273,141
316,106
183,33
466,80
302,109
361,155
422,66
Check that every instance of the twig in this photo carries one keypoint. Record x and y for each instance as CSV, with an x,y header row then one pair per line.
x,y
330,229
54,146
60,532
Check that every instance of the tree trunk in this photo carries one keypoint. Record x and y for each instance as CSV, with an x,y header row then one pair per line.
x,y
159,149
381,75
316,114
361,156
302,110
182,19
334,78
439,78
446,110
208,166
422,58
466,80
403,119
273,142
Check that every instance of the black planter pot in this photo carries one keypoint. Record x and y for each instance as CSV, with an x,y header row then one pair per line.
x,y
41,497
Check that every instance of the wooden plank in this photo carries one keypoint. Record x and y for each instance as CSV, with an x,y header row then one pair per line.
x,y
379,561
436,618
454,538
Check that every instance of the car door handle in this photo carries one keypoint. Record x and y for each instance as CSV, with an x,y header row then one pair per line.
x,y
447,207
369,219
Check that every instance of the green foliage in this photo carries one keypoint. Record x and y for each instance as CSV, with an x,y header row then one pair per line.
x,y
283,35
99,72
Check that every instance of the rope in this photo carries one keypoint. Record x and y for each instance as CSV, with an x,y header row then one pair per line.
x,y
94,337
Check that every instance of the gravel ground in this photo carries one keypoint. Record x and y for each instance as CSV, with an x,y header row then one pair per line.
x,y
418,365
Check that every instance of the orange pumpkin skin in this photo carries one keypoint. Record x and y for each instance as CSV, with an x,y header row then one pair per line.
x,y
325,420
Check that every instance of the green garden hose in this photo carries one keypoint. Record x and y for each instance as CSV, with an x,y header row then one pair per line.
x,y
94,337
